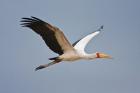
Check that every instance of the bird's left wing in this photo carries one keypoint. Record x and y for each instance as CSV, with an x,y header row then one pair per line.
x,y
53,36
81,44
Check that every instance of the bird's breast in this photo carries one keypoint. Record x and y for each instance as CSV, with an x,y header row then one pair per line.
x,y
70,56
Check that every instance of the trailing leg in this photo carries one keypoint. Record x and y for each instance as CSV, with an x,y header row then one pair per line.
x,y
46,65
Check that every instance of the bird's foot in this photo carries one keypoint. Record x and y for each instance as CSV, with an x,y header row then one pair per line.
x,y
40,67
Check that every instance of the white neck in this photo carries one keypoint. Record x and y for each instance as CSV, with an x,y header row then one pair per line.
x,y
90,56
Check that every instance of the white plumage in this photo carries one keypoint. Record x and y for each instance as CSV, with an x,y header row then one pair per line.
x,y
80,46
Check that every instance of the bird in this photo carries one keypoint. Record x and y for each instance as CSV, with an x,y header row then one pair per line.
x,y
58,43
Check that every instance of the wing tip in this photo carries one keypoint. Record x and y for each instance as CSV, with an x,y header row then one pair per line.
x,y
29,21
101,27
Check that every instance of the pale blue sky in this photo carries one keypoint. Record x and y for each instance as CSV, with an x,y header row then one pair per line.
x,y
21,50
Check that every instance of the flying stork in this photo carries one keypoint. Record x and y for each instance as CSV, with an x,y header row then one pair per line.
x,y
58,43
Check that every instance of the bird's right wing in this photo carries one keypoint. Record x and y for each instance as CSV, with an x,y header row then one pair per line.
x,y
53,36
81,44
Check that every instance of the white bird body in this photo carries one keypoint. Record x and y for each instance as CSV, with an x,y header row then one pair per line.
x,y
57,42
70,56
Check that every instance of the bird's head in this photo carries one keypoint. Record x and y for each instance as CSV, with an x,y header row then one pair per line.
x,y
102,55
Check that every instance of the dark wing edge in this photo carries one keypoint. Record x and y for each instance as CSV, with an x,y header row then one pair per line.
x,y
76,42
45,30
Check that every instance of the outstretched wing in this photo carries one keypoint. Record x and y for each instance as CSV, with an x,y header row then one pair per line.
x,y
53,36
81,44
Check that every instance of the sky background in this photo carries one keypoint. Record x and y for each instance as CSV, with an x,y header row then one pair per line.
x,y
22,50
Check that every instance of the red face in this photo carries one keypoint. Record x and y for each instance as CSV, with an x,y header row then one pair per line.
x,y
97,55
